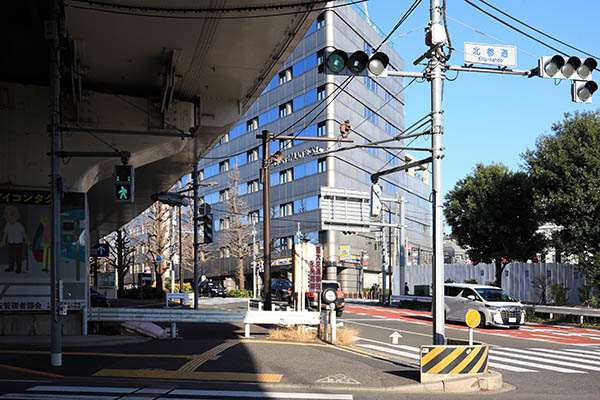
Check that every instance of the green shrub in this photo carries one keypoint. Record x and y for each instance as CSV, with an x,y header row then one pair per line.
x,y
559,294
449,281
473,281
239,293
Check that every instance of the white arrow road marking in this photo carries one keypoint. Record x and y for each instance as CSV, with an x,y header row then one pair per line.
x,y
395,336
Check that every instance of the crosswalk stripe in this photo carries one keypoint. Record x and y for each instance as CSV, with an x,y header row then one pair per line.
x,y
55,396
566,352
89,389
563,355
528,355
391,351
534,365
509,367
595,353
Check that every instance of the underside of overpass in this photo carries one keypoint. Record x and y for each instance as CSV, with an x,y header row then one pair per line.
x,y
161,80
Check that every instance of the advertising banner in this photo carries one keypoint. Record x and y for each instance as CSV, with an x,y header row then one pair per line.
x,y
25,250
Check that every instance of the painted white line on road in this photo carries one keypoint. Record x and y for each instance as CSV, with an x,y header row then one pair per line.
x,y
597,353
390,329
390,351
509,367
396,346
572,357
268,395
89,389
55,396
534,365
570,352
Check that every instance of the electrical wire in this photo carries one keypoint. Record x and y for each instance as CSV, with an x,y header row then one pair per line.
x,y
412,8
539,31
518,30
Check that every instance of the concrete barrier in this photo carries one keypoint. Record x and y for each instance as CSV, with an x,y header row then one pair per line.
x,y
454,359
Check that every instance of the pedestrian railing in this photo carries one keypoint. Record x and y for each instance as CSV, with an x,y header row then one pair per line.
x,y
174,315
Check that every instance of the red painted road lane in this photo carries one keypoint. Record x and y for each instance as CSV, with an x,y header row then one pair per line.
x,y
556,334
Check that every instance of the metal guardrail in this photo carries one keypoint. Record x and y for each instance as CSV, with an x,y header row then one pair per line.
x,y
580,311
174,315
421,299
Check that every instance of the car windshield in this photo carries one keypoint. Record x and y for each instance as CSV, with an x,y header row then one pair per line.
x,y
330,285
495,295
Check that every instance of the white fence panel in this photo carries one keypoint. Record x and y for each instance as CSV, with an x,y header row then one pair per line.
x,y
522,280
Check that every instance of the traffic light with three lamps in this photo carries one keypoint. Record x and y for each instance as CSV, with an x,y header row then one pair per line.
x,y
572,68
339,62
208,228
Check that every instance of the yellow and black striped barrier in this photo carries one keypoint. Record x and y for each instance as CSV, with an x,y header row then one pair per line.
x,y
438,362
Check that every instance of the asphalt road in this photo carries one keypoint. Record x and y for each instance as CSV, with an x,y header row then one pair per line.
x,y
212,361
536,361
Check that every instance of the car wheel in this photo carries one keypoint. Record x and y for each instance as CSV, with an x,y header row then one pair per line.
x,y
482,322
212,294
339,313
329,296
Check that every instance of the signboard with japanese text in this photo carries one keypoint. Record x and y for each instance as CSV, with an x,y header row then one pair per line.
x,y
315,271
26,245
490,54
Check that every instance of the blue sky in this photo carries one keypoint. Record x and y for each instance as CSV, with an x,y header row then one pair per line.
x,y
487,117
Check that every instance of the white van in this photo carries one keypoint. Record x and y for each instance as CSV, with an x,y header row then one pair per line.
x,y
496,307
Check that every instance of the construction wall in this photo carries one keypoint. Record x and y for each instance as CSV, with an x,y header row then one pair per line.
x,y
523,281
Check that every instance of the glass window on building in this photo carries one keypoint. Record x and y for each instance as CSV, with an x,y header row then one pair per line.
x,y
286,209
285,144
320,21
252,124
224,166
320,58
285,109
285,242
254,216
253,186
252,155
201,174
224,195
321,93
321,129
286,176
285,76
322,165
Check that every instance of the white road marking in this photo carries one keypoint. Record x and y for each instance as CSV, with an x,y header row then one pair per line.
x,y
269,395
534,365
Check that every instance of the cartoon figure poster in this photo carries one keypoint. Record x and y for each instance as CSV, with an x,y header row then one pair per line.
x,y
26,249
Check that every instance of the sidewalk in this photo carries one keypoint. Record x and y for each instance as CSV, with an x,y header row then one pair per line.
x,y
218,352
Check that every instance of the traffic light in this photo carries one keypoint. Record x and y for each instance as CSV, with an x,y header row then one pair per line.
x,y
582,91
208,228
358,63
375,200
123,184
575,69
171,199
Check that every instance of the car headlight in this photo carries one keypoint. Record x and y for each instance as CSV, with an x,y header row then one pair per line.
x,y
493,308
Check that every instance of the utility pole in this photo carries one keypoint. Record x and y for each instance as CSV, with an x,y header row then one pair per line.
x,y
196,244
266,220
180,253
436,66
52,34
254,266
402,246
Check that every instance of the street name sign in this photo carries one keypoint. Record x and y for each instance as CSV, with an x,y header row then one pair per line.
x,y
490,54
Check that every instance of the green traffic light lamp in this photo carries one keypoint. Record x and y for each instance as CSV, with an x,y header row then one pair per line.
x,y
337,61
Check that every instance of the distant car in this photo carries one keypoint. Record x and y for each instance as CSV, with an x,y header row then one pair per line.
x,y
281,290
97,299
332,297
212,289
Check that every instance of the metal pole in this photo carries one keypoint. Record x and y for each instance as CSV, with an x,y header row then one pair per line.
x,y
436,65
52,33
196,244
402,246
267,221
255,267
180,254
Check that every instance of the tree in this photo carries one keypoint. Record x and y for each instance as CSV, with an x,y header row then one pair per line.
x,y
122,255
492,214
238,234
565,169
156,219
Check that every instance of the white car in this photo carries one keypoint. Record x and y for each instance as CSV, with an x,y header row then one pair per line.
x,y
495,306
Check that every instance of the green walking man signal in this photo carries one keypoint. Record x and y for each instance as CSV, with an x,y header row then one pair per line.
x,y
123,184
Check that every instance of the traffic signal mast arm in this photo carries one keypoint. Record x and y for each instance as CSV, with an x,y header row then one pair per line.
x,y
375,176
